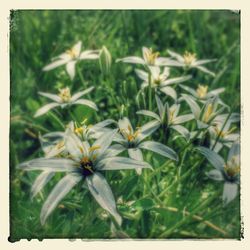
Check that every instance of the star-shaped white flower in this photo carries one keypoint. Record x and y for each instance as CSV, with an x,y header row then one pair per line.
x,y
84,162
188,60
226,171
71,57
160,80
64,99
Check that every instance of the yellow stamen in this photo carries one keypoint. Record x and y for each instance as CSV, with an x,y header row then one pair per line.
x,y
65,94
60,144
225,133
208,113
93,148
151,56
84,121
232,167
189,58
202,91
89,168
72,53
85,160
171,115
79,130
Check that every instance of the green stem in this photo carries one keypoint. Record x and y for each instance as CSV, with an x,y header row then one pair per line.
x,y
149,91
187,218
219,134
81,76
56,119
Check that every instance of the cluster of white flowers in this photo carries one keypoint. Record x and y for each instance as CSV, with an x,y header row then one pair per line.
x,y
83,151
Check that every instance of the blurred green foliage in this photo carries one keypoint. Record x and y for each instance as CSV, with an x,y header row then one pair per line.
x,y
36,37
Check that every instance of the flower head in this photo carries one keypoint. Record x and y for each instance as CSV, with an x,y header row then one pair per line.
x,y
133,141
149,58
160,80
226,171
64,99
70,57
84,162
167,117
189,60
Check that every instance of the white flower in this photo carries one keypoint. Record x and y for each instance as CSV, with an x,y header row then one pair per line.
x,y
71,57
222,131
188,61
225,171
202,93
149,58
85,162
132,141
167,117
160,81
64,99
205,115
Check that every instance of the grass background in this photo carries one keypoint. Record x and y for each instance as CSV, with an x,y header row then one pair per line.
x,y
36,37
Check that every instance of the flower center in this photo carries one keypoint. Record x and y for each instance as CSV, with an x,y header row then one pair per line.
x,y
129,135
151,56
72,53
64,94
86,166
222,134
189,58
232,168
202,91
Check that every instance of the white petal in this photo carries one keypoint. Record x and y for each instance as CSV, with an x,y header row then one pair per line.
x,y
215,174
131,59
204,61
46,108
176,80
70,68
103,124
102,192
114,150
193,105
155,71
104,141
55,64
148,113
53,97
234,151
124,124
74,145
205,70
189,90
229,192
148,129
176,55
159,149
57,194
90,55
215,159
169,91
40,182
183,118
86,103
77,48
215,92
81,93
142,74
49,164
136,154
160,106
181,130
120,163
